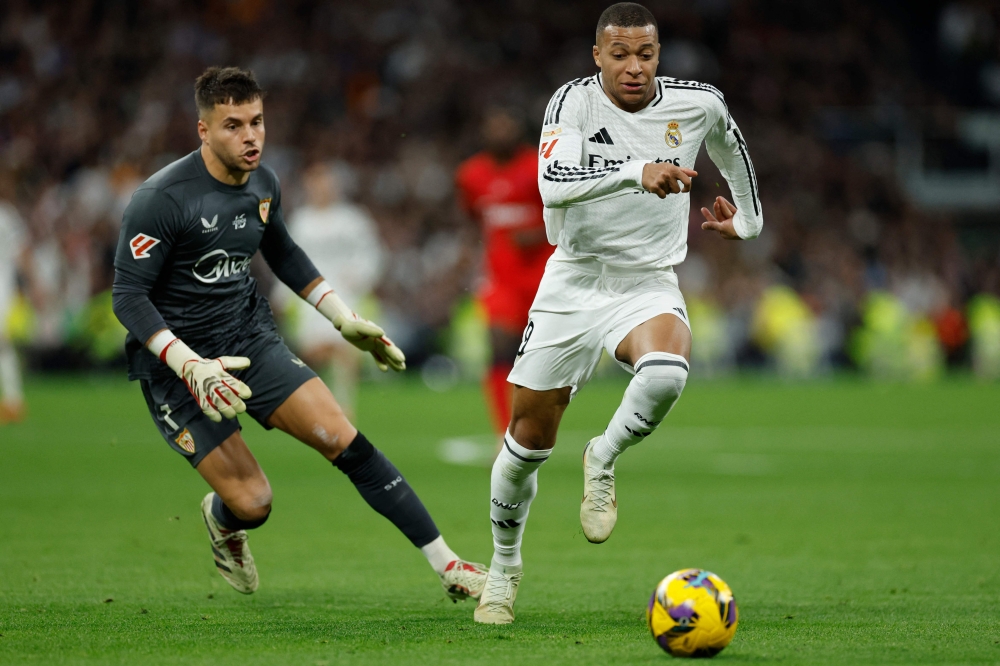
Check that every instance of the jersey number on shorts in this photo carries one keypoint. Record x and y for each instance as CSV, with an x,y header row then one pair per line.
x,y
166,416
528,330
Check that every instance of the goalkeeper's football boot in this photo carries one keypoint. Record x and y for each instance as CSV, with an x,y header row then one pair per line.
x,y
232,554
496,606
462,580
599,508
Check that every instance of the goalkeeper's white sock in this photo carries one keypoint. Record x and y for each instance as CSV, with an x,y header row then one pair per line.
x,y
657,385
438,554
10,374
513,485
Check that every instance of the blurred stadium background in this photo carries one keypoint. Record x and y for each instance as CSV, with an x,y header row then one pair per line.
x,y
848,515
874,127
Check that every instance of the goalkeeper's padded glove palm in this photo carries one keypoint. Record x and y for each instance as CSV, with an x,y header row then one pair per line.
x,y
361,333
217,392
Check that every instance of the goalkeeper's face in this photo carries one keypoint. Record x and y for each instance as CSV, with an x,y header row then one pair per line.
x,y
628,58
235,134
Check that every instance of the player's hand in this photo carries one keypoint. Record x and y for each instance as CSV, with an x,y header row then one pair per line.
x,y
666,178
361,333
369,337
722,220
218,393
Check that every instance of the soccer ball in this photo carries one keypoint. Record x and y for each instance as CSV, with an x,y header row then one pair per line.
x,y
692,613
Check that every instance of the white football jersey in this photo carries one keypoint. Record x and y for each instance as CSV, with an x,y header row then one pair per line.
x,y
591,157
12,240
342,241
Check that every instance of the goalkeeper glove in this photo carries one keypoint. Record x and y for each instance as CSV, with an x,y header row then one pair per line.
x,y
361,333
217,392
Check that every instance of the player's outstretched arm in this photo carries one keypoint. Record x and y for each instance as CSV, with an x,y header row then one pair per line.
x,y
728,150
361,333
217,392
291,265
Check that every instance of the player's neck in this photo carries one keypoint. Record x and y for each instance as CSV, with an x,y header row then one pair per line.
x,y
503,156
217,170
628,108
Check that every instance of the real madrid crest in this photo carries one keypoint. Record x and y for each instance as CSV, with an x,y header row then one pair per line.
x,y
265,208
673,136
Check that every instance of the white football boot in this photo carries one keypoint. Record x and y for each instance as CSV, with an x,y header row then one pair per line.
x,y
496,606
462,580
232,554
599,508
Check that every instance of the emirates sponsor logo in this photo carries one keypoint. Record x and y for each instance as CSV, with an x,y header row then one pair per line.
x,y
217,265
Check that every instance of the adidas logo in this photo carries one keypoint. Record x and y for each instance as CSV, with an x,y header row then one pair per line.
x,y
602,136
505,524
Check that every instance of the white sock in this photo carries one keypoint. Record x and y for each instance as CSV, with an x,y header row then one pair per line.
x,y
439,554
658,382
10,374
513,485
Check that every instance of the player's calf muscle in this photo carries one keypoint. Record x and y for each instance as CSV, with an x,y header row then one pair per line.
x,y
233,473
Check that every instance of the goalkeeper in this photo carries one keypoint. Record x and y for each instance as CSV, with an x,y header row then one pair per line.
x,y
202,340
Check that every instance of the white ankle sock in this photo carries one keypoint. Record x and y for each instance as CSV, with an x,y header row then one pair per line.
x,y
438,554
513,485
10,374
658,382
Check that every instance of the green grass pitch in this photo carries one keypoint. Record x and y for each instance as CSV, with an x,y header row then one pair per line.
x,y
856,523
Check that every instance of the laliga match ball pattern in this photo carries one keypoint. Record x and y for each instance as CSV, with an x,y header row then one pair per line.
x,y
692,614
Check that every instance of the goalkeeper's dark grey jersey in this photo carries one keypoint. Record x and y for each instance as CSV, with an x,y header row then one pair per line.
x,y
184,254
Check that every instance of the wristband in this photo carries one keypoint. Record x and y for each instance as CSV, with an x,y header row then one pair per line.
x,y
172,351
330,304
160,342
318,292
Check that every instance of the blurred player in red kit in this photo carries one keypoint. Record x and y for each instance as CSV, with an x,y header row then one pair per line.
x,y
498,188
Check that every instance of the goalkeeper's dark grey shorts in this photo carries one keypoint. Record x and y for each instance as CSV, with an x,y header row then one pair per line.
x,y
274,374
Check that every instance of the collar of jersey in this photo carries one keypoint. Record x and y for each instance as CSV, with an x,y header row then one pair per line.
x,y
216,183
608,102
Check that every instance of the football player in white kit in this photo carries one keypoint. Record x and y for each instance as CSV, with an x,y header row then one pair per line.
x,y
12,243
343,243
616,157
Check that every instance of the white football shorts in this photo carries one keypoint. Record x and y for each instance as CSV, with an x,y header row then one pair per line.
x,y
583,307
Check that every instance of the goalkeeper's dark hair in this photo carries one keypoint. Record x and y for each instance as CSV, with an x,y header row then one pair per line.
x,y
225,85
626,15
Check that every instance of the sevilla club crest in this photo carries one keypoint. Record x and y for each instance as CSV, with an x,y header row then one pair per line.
x,y
264,208
673,136
185,441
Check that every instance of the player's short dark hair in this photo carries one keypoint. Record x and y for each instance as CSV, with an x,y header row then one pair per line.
x,y
225,85
626,15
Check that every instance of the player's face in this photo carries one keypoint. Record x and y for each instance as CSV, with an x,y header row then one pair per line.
x,y
628,58
235,134
501,133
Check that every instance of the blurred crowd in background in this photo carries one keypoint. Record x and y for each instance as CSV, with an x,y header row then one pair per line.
x,y
852,110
